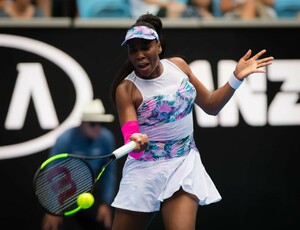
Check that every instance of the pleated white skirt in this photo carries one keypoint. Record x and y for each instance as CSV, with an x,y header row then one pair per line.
x,y
144,185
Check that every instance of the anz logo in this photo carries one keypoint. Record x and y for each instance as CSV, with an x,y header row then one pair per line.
x,y
31,84
251,101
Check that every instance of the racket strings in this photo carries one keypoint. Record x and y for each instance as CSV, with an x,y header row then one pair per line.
x,y
58,186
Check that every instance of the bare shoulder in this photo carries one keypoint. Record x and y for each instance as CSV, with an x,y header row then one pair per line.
x,y
125,85
123,90
181,63
178,61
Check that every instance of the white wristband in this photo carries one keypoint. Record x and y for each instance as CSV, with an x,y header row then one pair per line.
x,y
234,82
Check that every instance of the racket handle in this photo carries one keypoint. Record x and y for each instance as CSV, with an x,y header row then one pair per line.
x,y
118,153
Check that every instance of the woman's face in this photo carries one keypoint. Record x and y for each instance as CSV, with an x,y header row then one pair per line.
x,y
144,56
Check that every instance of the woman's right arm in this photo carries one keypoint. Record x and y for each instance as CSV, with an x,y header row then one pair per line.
x,y
125,102
127,99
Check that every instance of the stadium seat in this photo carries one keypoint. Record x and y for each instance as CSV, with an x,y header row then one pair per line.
x,y
103,8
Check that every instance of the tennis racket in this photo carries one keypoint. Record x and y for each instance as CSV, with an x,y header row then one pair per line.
x,y
63,177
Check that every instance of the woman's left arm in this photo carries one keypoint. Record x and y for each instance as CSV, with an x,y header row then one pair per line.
x,y
213,102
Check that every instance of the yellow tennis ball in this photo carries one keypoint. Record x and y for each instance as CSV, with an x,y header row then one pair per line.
x,y
85,200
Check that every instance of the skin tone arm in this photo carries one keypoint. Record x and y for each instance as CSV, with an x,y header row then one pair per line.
x,y
268,2
105,215
51,222
229,5
163,3
213,102
127,111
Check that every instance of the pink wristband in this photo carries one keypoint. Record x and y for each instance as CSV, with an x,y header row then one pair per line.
x,y
128,129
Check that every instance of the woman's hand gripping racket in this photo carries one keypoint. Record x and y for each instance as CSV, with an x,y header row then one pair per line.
x,y
62,178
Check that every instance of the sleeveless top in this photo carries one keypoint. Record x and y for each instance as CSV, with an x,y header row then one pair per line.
x,y
165,113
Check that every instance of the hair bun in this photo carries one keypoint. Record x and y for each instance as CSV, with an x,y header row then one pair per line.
x,y
151,19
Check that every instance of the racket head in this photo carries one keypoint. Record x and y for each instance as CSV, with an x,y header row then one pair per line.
x,y
60,180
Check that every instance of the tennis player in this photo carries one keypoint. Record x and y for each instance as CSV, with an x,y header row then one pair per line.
x,y
154,98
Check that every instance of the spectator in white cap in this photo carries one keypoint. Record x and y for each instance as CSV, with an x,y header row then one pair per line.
x,y
90,138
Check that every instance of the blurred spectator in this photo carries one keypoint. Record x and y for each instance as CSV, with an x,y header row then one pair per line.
x,y
89,138
264,11
199,9
2,3
45,6
283,8
24,9
160,8
235,9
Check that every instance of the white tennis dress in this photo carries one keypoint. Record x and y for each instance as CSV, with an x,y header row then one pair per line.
x,y
171,159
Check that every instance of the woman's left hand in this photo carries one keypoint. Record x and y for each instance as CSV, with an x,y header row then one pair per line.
x,y
248,65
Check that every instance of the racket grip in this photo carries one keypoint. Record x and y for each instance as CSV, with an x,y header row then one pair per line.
x,y
118,153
